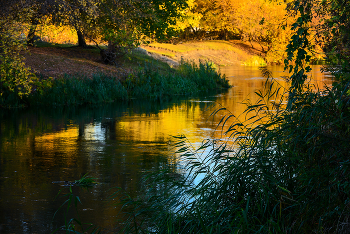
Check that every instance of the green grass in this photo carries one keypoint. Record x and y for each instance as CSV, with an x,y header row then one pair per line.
x,y
150,82
188,79
77,91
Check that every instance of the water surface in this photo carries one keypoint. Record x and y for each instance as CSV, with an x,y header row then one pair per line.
x,y
116,143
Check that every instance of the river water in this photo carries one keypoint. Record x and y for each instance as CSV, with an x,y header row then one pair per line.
x,y
116,143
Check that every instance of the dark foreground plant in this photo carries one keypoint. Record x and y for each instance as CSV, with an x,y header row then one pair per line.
x,y
75,224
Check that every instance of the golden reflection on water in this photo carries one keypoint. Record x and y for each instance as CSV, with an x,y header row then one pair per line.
x,y
189,117
160,126
48,142
248,80
36,151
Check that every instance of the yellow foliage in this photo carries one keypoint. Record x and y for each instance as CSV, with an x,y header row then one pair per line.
x,y
57,34
189,18
15,78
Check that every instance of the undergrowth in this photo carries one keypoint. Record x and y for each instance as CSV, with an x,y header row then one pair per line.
x,y
188,79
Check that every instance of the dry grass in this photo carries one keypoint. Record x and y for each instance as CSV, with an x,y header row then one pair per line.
x,y
222,53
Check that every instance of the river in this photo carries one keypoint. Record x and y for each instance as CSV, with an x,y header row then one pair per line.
x,y
116,143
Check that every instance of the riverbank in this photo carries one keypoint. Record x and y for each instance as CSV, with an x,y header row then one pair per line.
x,y
55,60
68,75
183,69
221,53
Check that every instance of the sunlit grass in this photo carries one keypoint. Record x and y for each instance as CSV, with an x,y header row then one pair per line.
x,y
287,174
196,46
163,53
255,61
220,52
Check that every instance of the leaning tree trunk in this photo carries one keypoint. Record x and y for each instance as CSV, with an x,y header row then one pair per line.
x,y
31,34
81,39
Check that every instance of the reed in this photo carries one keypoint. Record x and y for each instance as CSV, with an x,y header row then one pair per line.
x,y
71,205
280,171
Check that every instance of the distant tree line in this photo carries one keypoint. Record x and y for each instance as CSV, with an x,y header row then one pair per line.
x,y
265,22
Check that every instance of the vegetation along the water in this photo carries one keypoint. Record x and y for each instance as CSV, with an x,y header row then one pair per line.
x,y
285,170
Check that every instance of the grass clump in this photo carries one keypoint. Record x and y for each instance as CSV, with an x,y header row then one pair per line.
x,y
86,181
188,79
71,203
78,91
255,61
281,171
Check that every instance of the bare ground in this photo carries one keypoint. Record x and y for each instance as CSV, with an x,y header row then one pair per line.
x,y
57,62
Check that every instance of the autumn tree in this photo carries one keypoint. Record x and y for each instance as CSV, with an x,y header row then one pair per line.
x,y
15,79
189,19
124,24
81,15
216,15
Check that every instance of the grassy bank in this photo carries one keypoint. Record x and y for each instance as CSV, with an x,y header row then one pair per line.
x,y
150,82
69,75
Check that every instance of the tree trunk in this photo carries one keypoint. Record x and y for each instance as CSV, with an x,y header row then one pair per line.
x,y
250,41
262,47
81,39
31,34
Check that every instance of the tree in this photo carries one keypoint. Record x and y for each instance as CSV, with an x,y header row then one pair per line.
x,y
15,79
331,32
216,15
123,24
81,15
